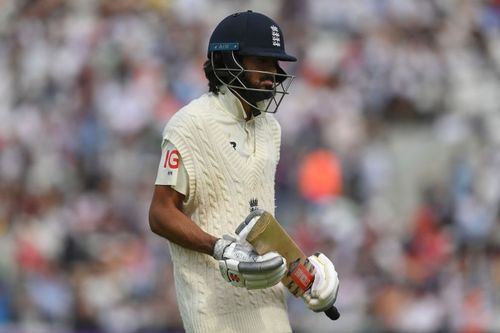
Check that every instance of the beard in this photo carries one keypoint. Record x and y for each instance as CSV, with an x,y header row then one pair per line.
x,y
252,96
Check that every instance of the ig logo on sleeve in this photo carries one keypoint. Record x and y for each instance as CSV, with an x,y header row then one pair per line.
x,y
171,160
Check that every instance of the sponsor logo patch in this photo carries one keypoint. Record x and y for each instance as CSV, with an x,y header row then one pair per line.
x,y
171,159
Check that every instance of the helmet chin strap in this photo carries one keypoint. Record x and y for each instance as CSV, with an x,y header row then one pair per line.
x,y
255,112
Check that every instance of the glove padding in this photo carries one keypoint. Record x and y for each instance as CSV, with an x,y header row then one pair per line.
x,y
324,289
246,226
242,266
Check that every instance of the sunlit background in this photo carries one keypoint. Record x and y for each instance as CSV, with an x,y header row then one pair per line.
x,y
390,161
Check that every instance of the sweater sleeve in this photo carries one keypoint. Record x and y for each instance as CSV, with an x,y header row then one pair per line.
x,y
177,131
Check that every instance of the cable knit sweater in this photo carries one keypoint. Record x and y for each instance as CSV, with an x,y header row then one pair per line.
x,y
221,183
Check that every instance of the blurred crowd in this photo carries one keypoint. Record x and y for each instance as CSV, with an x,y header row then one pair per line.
x,y
399,99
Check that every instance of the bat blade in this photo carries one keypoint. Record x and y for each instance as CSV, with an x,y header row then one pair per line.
x,y
268,235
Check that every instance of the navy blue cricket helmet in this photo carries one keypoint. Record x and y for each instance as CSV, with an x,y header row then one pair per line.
x,y
249,34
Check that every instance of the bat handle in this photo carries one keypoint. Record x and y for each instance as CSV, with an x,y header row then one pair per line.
x,y
332,313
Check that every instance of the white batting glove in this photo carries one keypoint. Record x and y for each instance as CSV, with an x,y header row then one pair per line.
x,y
324,289
241,266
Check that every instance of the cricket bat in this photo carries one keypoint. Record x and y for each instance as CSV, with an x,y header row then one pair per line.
x,y
268,235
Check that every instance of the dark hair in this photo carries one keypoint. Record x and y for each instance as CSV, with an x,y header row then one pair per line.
x,y
227,65
213,82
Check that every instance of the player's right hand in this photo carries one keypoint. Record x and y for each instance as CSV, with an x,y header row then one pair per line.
x,y
325,287
241,266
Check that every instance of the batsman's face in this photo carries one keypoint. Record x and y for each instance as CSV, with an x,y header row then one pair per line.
x,y
260,64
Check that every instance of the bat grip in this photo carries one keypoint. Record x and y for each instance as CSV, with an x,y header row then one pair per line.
x,y
332,313
298,273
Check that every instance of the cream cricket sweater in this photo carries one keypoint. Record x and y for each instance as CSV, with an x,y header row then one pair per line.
x,y
221,184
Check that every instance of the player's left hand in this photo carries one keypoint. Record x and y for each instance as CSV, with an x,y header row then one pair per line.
x,y
324,289
242,266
